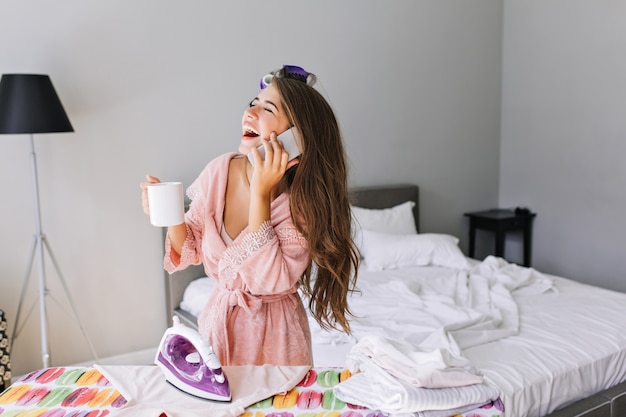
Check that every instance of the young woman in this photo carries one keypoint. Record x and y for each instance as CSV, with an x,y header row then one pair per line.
x,y
263,230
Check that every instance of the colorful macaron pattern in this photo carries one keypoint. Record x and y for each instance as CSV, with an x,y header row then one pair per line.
x,y
61,392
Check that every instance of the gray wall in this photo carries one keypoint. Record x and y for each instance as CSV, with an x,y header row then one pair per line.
x,y
564,133
154,86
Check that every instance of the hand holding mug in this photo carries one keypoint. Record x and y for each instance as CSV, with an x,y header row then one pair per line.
x,y
144,192
163,201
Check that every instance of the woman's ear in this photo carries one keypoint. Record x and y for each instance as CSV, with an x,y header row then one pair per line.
x,y
293,162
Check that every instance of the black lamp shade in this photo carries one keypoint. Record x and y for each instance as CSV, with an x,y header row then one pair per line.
x,y
29,104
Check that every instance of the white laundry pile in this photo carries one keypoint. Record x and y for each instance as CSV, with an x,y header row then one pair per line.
x,y
400,379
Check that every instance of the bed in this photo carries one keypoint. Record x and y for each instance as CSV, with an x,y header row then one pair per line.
x,y
550,345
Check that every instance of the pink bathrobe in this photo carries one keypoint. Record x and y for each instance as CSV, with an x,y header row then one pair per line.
x,y
254,315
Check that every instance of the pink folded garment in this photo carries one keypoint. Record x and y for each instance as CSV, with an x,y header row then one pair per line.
x,y
150,395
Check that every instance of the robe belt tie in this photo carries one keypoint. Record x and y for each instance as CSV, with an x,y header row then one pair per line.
x,y
252,303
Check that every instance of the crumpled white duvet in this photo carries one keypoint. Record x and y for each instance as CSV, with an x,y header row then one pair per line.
x,y
438,307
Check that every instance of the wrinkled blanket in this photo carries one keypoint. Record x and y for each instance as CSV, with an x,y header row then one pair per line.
x,y
435,308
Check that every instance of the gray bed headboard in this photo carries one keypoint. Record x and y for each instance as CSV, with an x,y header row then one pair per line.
x,y
374,197
385,196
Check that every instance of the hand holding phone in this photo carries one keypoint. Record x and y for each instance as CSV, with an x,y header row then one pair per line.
x,y
290,140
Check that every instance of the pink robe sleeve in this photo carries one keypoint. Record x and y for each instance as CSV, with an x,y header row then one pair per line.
x,y
191,253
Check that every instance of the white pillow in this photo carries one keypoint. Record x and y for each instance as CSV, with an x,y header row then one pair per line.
x,y
386,251
196,295
398,220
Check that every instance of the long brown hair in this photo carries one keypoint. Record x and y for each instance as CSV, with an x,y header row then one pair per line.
x,y
320,206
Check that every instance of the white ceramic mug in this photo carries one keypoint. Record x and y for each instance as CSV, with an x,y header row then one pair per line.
x,y
167,203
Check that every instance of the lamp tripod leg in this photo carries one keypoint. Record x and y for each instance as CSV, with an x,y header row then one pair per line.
x,y
43,316
16,328
38,243
71,301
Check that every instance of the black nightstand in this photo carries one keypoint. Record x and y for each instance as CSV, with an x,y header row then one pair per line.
x,y
500,221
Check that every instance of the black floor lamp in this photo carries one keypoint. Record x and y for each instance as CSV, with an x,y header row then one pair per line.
x,y
29,104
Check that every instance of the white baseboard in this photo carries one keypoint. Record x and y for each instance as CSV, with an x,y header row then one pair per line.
x,y
140,357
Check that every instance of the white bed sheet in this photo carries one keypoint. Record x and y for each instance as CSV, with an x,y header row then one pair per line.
x,y
569,342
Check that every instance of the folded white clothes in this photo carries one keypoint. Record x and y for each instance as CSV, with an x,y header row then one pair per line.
x,y
397,378
150,395
397,398
419,366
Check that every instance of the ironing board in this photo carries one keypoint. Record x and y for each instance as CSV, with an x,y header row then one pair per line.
x,y
84,391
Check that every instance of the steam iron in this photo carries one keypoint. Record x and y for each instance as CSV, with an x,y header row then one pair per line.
x,y
189,363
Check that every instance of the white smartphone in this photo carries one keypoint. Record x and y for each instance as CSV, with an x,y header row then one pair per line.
x,y
290,140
